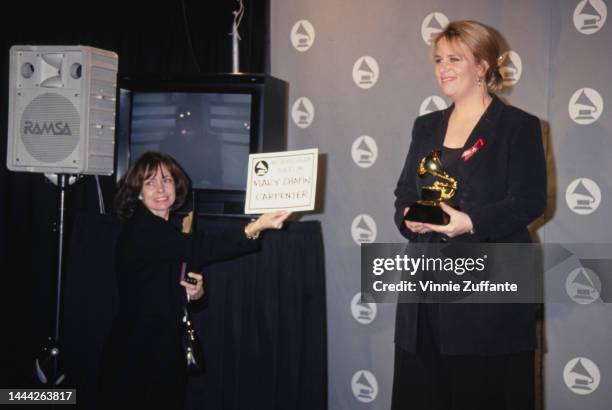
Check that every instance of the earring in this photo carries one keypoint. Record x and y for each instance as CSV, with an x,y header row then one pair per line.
x,y
479,81
140,197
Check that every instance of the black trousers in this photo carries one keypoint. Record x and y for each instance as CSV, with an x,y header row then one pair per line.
x,y
428,380
142,373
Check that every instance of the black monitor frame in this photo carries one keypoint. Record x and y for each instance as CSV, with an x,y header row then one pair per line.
x,y
269,97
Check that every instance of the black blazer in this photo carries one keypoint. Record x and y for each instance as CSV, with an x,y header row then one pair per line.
x,y
502,187
148,257
144,349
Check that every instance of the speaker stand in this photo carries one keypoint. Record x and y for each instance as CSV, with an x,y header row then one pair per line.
x,y
48,360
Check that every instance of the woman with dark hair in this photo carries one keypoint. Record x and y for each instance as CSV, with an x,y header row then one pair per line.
x,y
471,356
145,366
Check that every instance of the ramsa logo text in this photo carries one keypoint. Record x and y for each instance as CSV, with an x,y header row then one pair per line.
x,y
46,128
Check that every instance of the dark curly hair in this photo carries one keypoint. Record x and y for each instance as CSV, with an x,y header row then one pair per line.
x,y
130,184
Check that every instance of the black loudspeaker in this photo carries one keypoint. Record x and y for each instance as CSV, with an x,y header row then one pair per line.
x,y
62,110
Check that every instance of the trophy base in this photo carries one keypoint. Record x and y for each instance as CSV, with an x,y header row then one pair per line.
x,y
431,214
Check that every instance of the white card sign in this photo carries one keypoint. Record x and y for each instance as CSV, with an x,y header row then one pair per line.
x,y
281,181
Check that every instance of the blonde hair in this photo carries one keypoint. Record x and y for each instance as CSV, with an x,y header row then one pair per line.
x,y
482,42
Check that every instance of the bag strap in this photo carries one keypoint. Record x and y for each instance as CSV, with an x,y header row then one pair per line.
x,y
187,226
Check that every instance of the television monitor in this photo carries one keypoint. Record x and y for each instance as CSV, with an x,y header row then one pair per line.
x,y
209,125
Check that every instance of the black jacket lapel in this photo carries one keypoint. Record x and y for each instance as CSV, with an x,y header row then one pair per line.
x,y
485,129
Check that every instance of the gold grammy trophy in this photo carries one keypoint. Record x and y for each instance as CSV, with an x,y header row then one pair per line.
x,y
427,209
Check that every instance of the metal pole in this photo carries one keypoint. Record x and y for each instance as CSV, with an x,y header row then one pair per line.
x,y
49,356
235,54
61,182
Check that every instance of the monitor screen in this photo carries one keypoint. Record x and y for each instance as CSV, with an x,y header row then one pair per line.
x,y
207,133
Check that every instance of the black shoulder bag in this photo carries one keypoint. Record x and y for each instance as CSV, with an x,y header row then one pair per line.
x,y
192,347
191,343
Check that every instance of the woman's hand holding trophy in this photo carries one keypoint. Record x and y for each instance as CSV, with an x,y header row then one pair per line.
x,y
431,213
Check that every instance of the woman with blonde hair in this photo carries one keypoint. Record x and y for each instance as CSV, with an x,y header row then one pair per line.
x,y
471,356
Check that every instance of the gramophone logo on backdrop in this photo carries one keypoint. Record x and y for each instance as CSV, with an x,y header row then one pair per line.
x,y
590,16
432,25
302,112
511,68
363,229
365,72
583,286
431,104
364,151
363,312
585,106
364,386
583,196
302,35
581,375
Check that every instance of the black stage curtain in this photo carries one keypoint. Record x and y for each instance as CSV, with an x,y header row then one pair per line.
x,y
162,38
263,329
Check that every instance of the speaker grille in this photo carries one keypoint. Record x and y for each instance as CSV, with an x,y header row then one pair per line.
x,y
50,128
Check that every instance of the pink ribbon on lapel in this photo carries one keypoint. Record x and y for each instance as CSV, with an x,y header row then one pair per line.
x,y
467,154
